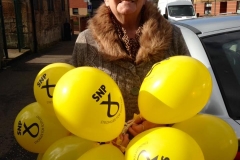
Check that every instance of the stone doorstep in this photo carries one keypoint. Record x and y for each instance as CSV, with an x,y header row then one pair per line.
x,y
13,54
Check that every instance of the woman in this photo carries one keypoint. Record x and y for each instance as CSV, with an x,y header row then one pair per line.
x,y
124,39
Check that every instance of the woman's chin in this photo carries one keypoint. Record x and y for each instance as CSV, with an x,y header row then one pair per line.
x,y
126,7
126,12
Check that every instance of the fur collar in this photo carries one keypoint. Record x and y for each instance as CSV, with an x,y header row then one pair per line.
x,y
154,41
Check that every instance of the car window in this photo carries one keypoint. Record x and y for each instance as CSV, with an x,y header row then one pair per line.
x,y
224,54
181,10
232,51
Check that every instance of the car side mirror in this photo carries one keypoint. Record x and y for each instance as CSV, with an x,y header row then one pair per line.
x,y
165,16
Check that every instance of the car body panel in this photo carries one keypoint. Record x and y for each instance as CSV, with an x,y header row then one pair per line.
x,y
196,49
215,24
195,29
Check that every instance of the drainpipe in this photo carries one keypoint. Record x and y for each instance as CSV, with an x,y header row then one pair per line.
x,y
34,33
3,31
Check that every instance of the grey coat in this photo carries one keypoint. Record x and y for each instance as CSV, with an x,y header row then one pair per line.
x,y
99,46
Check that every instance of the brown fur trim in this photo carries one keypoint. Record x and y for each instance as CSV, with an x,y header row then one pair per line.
x,y
154,41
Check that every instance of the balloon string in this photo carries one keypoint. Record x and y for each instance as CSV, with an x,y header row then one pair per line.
x,y
127,125
118,141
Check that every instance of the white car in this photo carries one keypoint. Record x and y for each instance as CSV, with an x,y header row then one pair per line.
x,y
215,41
177,9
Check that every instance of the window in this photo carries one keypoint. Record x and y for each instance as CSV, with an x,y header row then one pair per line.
x,y
232,51
75,10
207,8
224,54
50,5
238,7
181,10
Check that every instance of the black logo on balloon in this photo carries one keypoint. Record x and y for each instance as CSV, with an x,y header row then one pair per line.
x,y
154,67
99,94
110,103
27,129
48,86
144,154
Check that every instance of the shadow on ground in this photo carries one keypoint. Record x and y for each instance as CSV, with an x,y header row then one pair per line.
x,y
16,92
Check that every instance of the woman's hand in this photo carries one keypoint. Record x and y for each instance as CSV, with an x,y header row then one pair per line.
x,y
121,142
140,125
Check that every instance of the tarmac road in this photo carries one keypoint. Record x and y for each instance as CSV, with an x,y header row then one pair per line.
x,y
16,92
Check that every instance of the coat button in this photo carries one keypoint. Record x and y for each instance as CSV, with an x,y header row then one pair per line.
x,y
135,91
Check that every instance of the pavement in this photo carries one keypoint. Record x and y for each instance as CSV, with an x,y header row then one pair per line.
x,y
16,91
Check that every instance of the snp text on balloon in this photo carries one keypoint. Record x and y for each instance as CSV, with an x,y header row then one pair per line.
x,y
47,86
99,93
41,80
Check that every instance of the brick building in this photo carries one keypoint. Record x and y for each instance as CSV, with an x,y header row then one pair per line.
x,y
77,10
33,24
216,7
80,11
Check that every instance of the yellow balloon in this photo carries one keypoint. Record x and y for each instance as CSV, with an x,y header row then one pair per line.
x,y
40,155
216,138
35,129
174,90
163,143
45,82
103,152
88,102
70,148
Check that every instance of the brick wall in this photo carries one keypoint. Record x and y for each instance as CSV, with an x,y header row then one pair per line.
x,y
217,7
231,6
10,23
49,24
1,50
199,8
220,7
77,4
